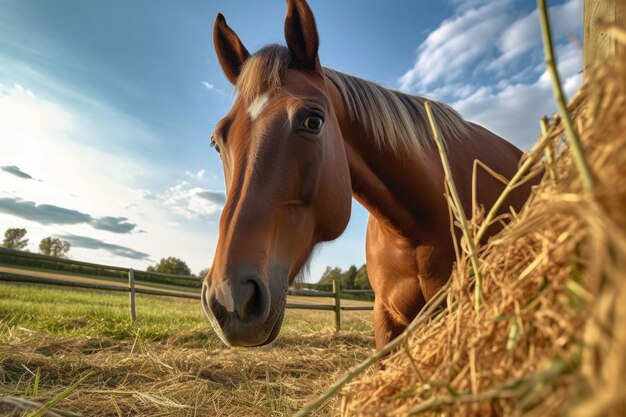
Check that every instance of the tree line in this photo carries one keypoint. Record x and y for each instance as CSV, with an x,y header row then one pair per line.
x,y
15,238
352,278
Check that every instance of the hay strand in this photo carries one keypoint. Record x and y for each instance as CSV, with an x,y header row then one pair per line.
x,y
549,151
572,134
532,158
426,313
549,339
457,207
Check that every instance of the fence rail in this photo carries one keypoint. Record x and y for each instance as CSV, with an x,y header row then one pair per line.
x,y
27,255
132,288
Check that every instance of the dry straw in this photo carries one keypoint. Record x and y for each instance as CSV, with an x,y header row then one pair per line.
x,y
550,336
102,377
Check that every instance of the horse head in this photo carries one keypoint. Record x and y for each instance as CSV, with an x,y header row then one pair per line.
x,y
287,178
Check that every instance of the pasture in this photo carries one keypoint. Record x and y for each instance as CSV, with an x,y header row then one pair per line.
x,y
168,363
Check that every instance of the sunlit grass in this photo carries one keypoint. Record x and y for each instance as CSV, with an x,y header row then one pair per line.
x,y
65,312
168,363
96,313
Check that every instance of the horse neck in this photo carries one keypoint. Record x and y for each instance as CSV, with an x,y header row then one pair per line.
x,y
401,189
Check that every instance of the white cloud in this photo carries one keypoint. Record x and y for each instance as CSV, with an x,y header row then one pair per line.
x,y
56,143
211,87
512,110
193,202
146,194
464,5
525,34
196,175
463,46
569,59
50,141
457,43
487,61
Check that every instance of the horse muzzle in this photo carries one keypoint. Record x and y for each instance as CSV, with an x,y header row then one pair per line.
x,y
243,310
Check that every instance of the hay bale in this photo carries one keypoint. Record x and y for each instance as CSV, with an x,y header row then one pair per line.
x,y
550,336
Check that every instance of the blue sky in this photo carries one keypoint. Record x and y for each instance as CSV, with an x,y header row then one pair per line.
x,y
106,108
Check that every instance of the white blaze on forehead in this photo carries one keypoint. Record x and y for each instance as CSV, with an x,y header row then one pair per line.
x,y
256,107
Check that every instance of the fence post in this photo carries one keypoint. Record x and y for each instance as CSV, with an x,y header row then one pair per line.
x,y
337,291
598,44
131,286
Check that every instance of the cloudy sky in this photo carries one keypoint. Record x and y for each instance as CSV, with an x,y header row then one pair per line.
x,y
106,108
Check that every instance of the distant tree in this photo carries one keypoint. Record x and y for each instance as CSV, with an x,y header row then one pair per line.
x,y
350,279
347,278
14,239
170,265
361,281
53,246
330,275
203,273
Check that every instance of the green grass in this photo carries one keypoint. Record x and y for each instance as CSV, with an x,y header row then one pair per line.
x,y
169,362
72,312
97,313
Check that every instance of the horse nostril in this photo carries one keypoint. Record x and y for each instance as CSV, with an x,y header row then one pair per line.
x,y
213,305
251,307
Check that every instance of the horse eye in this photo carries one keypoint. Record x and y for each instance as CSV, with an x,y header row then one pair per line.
x,y
313,123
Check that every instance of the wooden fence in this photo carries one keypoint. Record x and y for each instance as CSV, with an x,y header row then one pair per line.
x,y
130,287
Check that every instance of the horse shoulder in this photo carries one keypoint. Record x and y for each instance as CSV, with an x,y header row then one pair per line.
x,y
392,271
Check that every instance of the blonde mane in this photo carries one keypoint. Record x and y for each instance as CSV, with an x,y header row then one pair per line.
x,y
394,119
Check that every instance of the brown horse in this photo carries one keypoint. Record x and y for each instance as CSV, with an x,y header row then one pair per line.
x,y
298,143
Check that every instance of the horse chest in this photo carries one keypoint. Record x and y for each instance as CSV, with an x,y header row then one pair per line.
x,y
402,274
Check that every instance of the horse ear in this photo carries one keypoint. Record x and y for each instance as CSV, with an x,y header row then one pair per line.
x,y
301,35
230,51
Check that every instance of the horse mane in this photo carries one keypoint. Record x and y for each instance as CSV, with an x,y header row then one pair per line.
x,y
395,119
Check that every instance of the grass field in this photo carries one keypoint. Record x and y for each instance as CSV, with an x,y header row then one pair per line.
x,y
168,363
